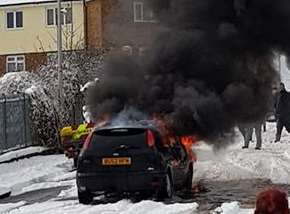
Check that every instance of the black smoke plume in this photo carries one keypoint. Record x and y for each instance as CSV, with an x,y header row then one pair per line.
x,y
212,68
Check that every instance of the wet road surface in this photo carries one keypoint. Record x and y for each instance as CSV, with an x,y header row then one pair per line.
x,y
216,193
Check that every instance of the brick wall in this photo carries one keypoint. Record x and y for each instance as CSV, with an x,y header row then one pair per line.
x,y
32,61
2,65
120,28
94,24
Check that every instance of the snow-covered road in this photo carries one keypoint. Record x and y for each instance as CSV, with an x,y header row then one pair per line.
x,y
40,174
234,163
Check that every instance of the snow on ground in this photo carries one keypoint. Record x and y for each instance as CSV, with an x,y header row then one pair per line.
x,y
21,152
35,171
121,207
234,163
5,208
231,163
232,208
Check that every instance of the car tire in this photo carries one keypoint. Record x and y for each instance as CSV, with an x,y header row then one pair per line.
x,y
85,197
188,180
166,190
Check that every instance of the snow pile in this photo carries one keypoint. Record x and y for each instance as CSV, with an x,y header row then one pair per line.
x,y
21,153
22,176
5,208
228,208
232,208
43,114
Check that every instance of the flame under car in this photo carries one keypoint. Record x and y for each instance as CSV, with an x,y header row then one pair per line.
x,y
132,160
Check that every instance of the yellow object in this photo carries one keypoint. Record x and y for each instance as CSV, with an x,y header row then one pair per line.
x,y
66,131
81,130
75,135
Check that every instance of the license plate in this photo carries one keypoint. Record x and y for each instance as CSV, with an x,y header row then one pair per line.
x,y
116,161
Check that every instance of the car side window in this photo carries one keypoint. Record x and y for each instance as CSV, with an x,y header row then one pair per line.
x,y
183,152
180,150
159,144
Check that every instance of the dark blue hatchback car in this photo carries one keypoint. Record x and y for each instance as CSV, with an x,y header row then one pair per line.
x,y
131,160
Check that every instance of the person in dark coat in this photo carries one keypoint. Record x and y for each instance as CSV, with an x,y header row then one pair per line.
x,y
282,111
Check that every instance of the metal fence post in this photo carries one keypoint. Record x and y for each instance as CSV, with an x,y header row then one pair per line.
x,y
5,122
24,119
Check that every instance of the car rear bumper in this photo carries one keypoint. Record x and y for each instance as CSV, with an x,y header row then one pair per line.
x,y
120,182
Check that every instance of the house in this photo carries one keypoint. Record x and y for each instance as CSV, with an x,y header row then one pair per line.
x,y
130,25
28,30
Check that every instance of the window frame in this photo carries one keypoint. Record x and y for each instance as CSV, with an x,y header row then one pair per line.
x,y
16,61
55,19
14,12
136,20
46,17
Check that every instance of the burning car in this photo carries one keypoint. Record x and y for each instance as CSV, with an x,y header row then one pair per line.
x,y
131,160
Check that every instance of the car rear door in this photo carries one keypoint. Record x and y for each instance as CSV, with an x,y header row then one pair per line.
x,y
180,163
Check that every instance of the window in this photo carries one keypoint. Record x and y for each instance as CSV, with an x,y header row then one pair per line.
x,y
142,12
51,16
14,19
15,63
142,51
127,49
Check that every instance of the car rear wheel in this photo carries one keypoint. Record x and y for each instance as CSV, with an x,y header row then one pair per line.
x,y
166,190
188,180
85,197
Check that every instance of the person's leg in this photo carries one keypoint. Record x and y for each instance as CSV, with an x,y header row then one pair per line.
x,y
258,132
279,130
248,132
264,126
243,131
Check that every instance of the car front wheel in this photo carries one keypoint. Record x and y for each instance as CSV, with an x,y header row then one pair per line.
x,y
188,179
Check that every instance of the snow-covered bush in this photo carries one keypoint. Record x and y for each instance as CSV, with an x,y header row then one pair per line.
x,y
43,114
79,67
42,86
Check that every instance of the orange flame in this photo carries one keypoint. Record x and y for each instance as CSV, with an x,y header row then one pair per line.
x,y
188,142
169,138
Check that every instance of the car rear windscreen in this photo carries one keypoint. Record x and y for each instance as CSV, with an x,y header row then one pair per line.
x,y
117,139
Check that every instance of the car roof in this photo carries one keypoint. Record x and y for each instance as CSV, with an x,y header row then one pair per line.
x,y
135,126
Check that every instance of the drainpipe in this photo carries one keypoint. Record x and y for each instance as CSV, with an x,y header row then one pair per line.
x,y
85,11
59,55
